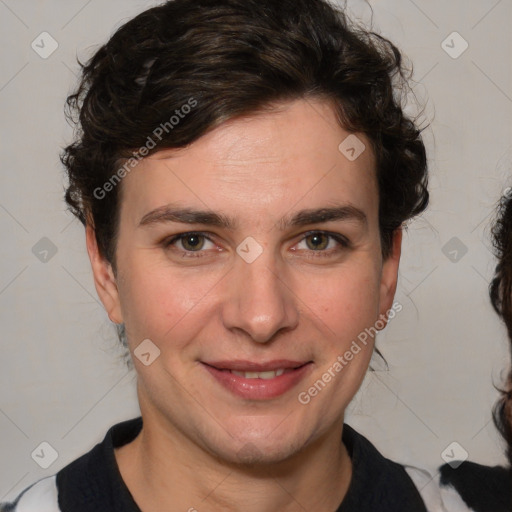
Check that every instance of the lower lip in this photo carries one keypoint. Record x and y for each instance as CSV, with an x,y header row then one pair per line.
x,y
259,389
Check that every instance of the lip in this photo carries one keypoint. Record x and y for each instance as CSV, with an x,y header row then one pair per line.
x,y
240,365
258,389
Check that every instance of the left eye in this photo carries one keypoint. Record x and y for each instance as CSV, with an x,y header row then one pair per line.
x,y
320,241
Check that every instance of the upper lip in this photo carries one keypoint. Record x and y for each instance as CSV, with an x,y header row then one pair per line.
x,y
240,365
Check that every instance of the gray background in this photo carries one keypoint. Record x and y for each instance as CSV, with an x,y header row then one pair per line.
x,y
61,378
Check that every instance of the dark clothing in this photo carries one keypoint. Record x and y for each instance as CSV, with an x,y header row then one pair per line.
x,y
93,483
482,488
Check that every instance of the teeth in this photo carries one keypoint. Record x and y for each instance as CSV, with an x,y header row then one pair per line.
x,y
259,375
267,375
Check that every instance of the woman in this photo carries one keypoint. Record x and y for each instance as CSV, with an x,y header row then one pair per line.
x,y
501,297
243,169
482,488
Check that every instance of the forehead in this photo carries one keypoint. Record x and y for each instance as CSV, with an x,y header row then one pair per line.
x,y
270,161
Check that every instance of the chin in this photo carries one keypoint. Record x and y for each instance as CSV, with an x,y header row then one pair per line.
x,y
261,454
259,447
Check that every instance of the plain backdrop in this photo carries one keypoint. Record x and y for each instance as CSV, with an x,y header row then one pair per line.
x,y
61,377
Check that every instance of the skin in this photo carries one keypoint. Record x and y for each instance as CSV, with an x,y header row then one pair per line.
x,y
201,446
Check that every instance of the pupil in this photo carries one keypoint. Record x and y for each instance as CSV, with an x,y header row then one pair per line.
x,y
192,241
317,240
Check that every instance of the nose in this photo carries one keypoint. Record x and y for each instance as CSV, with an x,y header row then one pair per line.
x,y
259,301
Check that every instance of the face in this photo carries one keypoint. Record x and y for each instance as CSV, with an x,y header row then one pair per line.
x,y
252,261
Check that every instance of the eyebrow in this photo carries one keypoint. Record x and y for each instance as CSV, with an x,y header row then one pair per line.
x,y
170,213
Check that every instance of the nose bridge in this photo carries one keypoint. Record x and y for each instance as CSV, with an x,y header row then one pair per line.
x,y
259,303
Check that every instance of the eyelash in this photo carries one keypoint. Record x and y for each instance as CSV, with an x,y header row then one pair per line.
x,y
341,240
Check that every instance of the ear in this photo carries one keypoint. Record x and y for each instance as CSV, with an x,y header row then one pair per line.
x,y
389,276
104,279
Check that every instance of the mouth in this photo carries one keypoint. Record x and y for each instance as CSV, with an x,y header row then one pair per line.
x,y
258,381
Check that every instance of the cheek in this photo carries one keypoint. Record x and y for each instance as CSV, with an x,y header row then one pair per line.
x,y
345,308
346,301
157,302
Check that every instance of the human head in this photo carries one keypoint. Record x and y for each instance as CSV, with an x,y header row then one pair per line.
x,y
252,94
500,291
207,61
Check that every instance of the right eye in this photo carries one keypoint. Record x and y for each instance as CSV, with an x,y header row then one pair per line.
x,y
189,243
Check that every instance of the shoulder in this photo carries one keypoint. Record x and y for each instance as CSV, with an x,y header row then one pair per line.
x,y
40,497
377,483
86,483
479,488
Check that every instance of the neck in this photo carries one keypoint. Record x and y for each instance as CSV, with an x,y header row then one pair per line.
x,y
164,470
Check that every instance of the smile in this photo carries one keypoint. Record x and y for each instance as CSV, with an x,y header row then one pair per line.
x,y
254,381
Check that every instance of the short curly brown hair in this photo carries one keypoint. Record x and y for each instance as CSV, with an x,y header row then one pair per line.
x,y
230,58
500,291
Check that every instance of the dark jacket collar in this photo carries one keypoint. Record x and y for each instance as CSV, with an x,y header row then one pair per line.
x,y
93,483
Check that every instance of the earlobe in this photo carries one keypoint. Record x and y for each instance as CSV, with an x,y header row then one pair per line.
x,y
104,279
389,277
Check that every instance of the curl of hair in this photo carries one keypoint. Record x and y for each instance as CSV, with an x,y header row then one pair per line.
x,y
500,291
